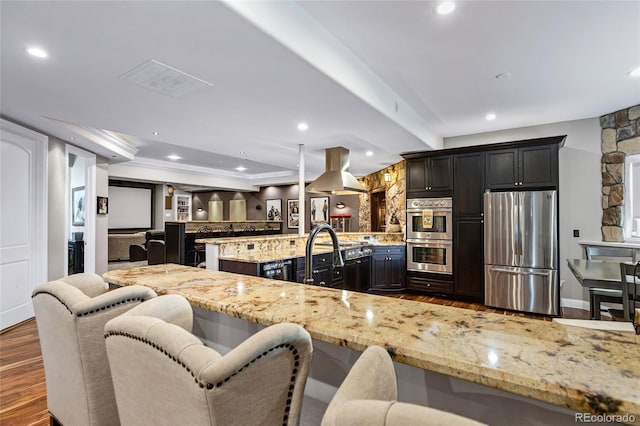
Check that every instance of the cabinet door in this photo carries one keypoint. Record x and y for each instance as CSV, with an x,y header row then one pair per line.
x,y
396,270
322,276
364,274
350,275
379,277
439,173
469,187
538,166
416,175
501,169
468,258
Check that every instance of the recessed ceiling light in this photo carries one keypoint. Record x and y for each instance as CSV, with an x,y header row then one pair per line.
x,y
369,153
491,116
241,168
37,52
634,72
173,157
156,133
445,7
302,126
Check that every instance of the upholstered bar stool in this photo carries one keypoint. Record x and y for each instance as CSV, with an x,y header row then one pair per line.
x,y
175,379
71,314
368,396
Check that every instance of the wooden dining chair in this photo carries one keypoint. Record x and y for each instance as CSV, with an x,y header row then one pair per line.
x,y
599,295
630,293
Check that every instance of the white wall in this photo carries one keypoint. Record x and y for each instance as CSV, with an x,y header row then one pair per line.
x,y
580,184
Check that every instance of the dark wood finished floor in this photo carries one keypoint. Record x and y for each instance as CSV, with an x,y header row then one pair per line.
x,y
23,395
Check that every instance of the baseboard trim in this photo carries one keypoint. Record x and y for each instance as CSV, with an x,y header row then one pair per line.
x,y
574,303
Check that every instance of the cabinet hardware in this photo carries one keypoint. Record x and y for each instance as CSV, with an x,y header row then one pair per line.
x,y
428,284
315,271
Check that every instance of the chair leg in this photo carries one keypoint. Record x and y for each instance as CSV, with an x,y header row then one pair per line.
x,y
53,421
594,304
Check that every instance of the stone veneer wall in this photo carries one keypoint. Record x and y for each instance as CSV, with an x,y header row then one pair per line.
x,y
395,195
620,136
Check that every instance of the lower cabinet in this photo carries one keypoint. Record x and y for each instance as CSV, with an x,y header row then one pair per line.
x,y
357,274
388,266
321,271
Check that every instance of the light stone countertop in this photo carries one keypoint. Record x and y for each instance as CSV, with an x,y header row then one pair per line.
x,y
582,369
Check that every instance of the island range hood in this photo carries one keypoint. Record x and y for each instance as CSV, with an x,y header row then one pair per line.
x,y
336,179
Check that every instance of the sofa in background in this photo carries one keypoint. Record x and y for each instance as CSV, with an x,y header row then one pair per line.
x,y
119,245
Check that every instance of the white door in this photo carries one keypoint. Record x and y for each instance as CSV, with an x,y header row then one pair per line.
x,y
23,226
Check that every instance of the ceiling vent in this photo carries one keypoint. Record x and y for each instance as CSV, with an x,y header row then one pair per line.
x,y
162,78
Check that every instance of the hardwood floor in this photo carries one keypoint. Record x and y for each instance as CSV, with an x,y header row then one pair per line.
x,y
23,395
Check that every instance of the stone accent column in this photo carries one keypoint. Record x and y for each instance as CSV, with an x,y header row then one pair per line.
x,y
620,136
394,194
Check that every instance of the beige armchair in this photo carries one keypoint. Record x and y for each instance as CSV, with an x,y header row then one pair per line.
x,y
175,379
368,396
70,314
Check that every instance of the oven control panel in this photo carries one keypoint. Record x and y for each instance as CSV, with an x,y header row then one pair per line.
x,y
422,203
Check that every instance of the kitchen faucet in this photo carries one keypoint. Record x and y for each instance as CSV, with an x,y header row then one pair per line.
x,y
337,256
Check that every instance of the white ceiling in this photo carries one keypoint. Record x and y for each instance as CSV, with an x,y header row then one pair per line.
x,y
385,76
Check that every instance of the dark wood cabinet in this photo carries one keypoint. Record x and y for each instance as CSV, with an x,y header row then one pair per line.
x,y
322,269
357,274
76,257
430,176
426,284
238,267
469,185
525,167
468,258
388,266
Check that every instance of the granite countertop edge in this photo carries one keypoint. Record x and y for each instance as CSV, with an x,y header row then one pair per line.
x,y
581,369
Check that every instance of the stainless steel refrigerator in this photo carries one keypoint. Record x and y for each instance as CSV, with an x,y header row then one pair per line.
x,y
521,251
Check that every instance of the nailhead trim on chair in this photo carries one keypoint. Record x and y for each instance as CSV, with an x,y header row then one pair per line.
x,y
102,308
210,386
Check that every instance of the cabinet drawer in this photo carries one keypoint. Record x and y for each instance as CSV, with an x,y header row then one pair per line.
x,y
320,260
390,250
429,285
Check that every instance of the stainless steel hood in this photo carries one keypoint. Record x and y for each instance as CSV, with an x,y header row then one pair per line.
x,y
336,179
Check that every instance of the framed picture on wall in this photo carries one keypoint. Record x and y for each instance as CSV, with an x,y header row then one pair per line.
x,y
103,205
274,209
319,210
293,214
77,206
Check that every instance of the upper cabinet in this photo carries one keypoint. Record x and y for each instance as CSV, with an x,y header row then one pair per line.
x,y
468,175
430,176
521,168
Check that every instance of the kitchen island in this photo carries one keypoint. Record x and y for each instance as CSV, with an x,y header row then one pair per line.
x,y
517,362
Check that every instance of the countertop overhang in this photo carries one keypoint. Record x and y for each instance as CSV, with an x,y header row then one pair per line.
x,y
585,370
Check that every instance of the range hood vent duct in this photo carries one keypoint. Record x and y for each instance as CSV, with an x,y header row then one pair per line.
x,y
336,179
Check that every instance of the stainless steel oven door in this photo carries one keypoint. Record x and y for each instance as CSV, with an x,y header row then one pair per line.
x,y
440,229
430,256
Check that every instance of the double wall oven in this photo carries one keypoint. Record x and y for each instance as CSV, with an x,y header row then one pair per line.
x,y
429,235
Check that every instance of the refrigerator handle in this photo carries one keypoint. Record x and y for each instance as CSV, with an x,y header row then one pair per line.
x,y
517,272
520,226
